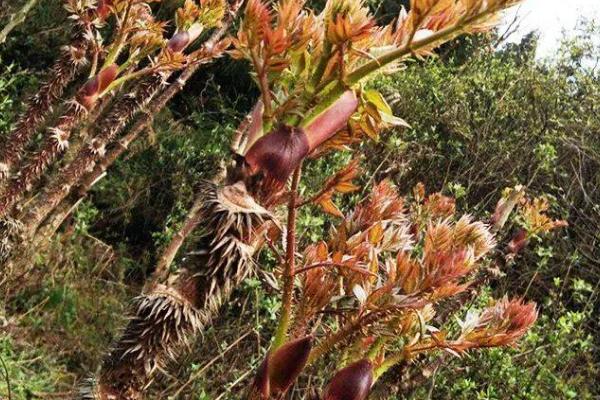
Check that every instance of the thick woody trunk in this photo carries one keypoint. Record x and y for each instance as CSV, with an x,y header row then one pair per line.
x,y
163,320
174,309
40,105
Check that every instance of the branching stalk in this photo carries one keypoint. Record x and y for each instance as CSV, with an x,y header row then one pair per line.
x,y
40,105
265,90
334,90
54,145
113,124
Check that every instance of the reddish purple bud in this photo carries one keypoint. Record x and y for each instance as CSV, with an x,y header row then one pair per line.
x,y
518,242
351,383
280,369
278,153
261,389
95,86
331,120
178,42
181,40
286,364
107,76
90,88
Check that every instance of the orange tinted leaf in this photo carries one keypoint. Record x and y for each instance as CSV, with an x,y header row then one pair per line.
x,y
419,191
337,257
376,233
330,208
409,273
374,266
346,187
322,252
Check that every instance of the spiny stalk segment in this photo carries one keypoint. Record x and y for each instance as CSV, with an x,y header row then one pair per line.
x,y
170,314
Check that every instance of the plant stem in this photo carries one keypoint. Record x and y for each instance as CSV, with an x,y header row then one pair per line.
x,y
263,82
377,347
290,264
59,187
170,251
110,126
389,362
120,42
318,74
53,147
40,105
333,90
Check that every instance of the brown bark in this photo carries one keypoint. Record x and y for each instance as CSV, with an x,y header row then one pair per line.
x,y
40,105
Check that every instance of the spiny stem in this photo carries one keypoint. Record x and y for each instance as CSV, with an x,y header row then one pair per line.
x,y
39,106
377,347
53,147
59,187
290,264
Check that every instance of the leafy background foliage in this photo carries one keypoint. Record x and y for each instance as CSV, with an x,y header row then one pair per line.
x,y
481,120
